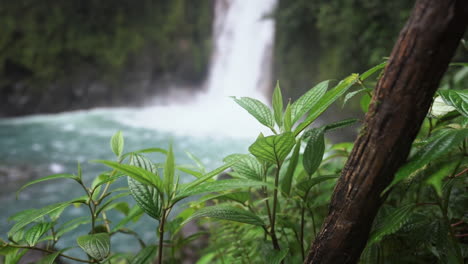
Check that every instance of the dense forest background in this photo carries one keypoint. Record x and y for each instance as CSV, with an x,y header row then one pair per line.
x,y
63,55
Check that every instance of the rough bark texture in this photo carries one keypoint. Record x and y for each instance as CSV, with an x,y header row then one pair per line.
x,y
401,100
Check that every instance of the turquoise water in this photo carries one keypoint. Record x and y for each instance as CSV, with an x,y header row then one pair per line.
x,y
48,144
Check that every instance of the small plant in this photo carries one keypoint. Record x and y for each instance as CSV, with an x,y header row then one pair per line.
x,y
276,198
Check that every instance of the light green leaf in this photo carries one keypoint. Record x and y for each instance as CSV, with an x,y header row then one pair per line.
x,y
169,170
372,70
457,99
137,173
72,225
314,150
249,167
438,145
217,186
135,213
95,245
307,101
325,101
287,123
51,177
33,215
273,149
229,213
350,95
278,105
436,178
15,256
211,174
197,161
287,179
35,233
439,108
117,143
392,223
145,256
257,109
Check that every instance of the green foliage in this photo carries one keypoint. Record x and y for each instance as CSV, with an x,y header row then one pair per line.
x,y
276,198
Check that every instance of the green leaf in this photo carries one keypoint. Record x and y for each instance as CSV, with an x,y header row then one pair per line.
x,y
257,109
287,123
273,149
212,173
95,245
33,215
249,167
275,256
217,186
457,99
307,101
314,150
229,213
350,95
340,124
35,233
325,101
145,256
169,171
392,223
372,70
117,143
147,197
135,213
51,177
307,184
278,105
197,161
287,179
72,225
15,256
436,178
438,145
50,259
137,173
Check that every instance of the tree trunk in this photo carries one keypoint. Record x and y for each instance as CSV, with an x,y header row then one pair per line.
x,y
400,102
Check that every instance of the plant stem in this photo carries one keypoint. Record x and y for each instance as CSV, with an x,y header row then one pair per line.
x,y
274,239
161,236
50,251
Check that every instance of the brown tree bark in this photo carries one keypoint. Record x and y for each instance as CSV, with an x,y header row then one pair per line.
x,y
401,100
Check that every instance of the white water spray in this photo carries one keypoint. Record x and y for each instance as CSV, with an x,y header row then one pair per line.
x,y
240,66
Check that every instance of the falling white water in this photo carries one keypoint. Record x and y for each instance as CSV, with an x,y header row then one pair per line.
x,y
241,63
240,66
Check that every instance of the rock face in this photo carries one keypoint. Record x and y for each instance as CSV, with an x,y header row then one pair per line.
x,y
93,53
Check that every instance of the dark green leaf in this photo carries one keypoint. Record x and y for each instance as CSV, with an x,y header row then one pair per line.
x,y
326,100
276,257
95,245
392,222
340,124
436,178
225,212
287,124
135,213
249,167
307,101
278,105
72,225
314,150
457,99
117,143
273,149
305,185
257,109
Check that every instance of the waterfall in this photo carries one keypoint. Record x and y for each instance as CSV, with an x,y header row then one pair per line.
x,y
241,65
243,40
